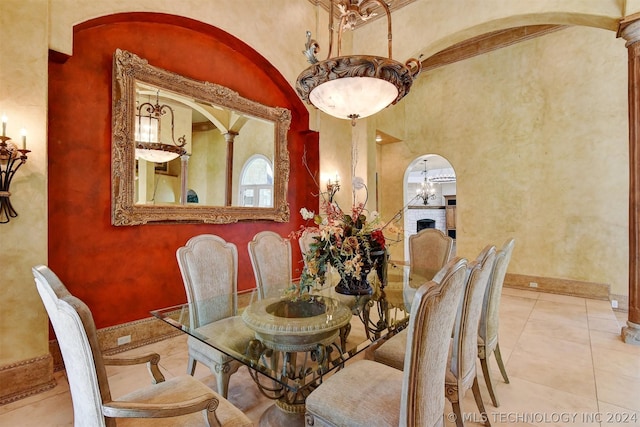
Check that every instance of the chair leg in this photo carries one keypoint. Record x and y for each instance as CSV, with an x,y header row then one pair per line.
x,y
222,381
191,366
500,364
478,397
458,413
487,378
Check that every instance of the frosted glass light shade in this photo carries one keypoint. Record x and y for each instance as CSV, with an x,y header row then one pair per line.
x,y
154,155
356,86
350,97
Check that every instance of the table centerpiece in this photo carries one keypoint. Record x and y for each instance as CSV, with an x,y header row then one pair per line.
x,y
353,244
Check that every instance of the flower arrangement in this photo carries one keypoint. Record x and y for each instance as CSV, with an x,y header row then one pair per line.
x,y
353,244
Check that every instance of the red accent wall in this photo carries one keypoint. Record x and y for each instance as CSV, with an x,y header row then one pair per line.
x,y
124,272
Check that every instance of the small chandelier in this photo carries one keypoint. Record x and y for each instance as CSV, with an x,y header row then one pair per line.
x,y
354,86
426,190
148,135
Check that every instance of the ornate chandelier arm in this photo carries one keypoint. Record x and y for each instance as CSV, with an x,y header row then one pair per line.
x,y
331,31
387,11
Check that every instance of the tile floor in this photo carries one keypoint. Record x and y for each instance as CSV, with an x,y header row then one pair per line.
x,y
564,356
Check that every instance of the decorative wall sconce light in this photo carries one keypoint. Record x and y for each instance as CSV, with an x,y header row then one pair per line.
x,y
148,136
11,158
333,188
427,190
354,86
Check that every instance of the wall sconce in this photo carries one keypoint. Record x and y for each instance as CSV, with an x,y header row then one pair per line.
x,y
11,158
333,187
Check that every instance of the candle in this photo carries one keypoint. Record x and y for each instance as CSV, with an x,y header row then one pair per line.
x,y
23,132
4,125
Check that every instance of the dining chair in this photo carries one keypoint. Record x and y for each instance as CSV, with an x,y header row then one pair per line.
x,y
209,268
305,240
367,393
489,319
429,251
270,256
179,401
462,373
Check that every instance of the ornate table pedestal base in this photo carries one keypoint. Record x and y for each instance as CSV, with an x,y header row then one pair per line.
x,y
286,328
282,414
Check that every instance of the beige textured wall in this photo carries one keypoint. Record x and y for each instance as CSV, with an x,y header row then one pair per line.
x,y
538,136
23,98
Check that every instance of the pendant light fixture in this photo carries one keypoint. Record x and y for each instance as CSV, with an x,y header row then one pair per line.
x,y
354,86
148,135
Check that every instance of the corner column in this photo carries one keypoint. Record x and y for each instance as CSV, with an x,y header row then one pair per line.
x,y
184,177
229,137
630,30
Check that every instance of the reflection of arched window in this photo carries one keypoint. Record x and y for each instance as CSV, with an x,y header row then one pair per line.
x,y
192,196
256,182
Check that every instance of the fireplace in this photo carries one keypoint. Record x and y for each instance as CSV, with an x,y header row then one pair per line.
x,y
421,224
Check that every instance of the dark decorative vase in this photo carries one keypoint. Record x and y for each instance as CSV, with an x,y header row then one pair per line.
x,y
354,285
379,259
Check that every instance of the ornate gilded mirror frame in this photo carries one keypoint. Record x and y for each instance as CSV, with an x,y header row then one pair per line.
x,y
129,69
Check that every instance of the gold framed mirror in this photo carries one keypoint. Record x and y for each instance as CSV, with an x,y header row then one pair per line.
x,y
188,151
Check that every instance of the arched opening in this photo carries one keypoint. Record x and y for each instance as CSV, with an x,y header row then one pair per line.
x,y
430,196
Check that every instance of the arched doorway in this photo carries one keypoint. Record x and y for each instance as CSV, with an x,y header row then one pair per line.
x,y
429,189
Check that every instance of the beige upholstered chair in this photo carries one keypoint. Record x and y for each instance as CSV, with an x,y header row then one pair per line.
x,y
489,319
305,241
270,256
180,401
429,251
209,267
368,393
462,374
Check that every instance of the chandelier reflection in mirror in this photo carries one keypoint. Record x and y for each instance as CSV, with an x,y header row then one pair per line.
x,y
11,158
354,86
427,190
149,145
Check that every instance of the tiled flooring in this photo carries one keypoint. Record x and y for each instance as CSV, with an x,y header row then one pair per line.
x,y
564,356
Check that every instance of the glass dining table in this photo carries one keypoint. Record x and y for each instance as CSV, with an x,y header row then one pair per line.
x,y
289,346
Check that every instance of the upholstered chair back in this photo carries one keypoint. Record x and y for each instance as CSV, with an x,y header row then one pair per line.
x,y
209,268
489,320
76,333
429,251
305,241
465,337
270,256
432,317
